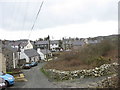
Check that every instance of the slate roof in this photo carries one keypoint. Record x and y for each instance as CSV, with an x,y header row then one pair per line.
x,y
16,43
44,51
10,48
31,52
41,42
23,40
77,43
54,42
67,41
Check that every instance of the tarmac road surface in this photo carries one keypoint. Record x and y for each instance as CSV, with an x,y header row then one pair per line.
x,y
35,79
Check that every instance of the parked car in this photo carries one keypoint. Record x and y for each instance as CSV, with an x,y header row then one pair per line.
x,y
9,79
34,64
2,84
26,66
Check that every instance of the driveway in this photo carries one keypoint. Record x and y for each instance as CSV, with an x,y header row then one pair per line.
x,y
35,79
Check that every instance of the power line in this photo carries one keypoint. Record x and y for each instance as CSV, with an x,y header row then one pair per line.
x,y
36,19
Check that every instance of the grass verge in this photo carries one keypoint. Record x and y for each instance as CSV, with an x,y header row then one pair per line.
x,y
45,73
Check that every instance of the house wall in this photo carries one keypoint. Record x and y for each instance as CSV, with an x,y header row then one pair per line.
x,y
41,54
14,46
35,59
9,58
2,63
28,46
42,46
24,56
15,59
54,46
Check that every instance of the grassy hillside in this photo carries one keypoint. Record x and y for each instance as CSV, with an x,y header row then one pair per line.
x,y
86,57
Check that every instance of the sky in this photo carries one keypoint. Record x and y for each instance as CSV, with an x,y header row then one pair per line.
x,y
58,18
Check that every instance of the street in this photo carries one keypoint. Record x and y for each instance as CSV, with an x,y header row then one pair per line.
x,y
35,79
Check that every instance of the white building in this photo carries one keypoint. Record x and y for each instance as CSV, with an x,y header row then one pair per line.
x,y
26,51
44,53
54,45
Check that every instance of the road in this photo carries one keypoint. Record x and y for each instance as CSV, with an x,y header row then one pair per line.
x,y
35,79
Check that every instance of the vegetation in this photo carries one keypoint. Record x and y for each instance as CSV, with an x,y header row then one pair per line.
x,y
89,56
44,72
14,71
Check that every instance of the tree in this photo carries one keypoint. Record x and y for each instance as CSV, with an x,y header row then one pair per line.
x,y
47,38
60,43
76,38
40,39
34,46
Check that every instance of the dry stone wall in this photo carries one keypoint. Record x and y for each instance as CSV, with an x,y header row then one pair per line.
x,y
96,72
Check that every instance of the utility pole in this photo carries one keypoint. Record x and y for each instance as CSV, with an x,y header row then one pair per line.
x,y
46,54
19,54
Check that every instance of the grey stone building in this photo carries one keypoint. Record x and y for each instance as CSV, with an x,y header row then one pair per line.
x,y
2,59
11,56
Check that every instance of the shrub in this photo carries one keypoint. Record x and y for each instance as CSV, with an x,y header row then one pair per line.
x,y
90,55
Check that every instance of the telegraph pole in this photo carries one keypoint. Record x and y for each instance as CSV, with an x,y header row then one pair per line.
x,y
19,54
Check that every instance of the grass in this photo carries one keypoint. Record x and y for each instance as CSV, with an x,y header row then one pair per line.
x,y
45,73
86,57
9,72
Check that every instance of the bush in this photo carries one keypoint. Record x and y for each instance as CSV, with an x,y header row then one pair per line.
x,y
91,55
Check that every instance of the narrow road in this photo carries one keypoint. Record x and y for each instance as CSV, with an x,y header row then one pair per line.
x,y
35,79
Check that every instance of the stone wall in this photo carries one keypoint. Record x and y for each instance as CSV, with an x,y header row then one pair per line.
x,y
109,82
96,72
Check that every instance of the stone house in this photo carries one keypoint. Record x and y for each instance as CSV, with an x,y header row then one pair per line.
x,y
42,44
53,45
2,59
11,56
67,44
77,44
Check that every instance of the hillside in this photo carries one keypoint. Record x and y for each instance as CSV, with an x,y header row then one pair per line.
x,y
88,56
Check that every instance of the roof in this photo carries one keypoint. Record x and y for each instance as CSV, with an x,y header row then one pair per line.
x,y
77,43
67,41
92,41
16,43
45,51
54,42
31,52
9,48
42,42
23,40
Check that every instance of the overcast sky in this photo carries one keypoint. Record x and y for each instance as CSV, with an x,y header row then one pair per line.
x,y
58,18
